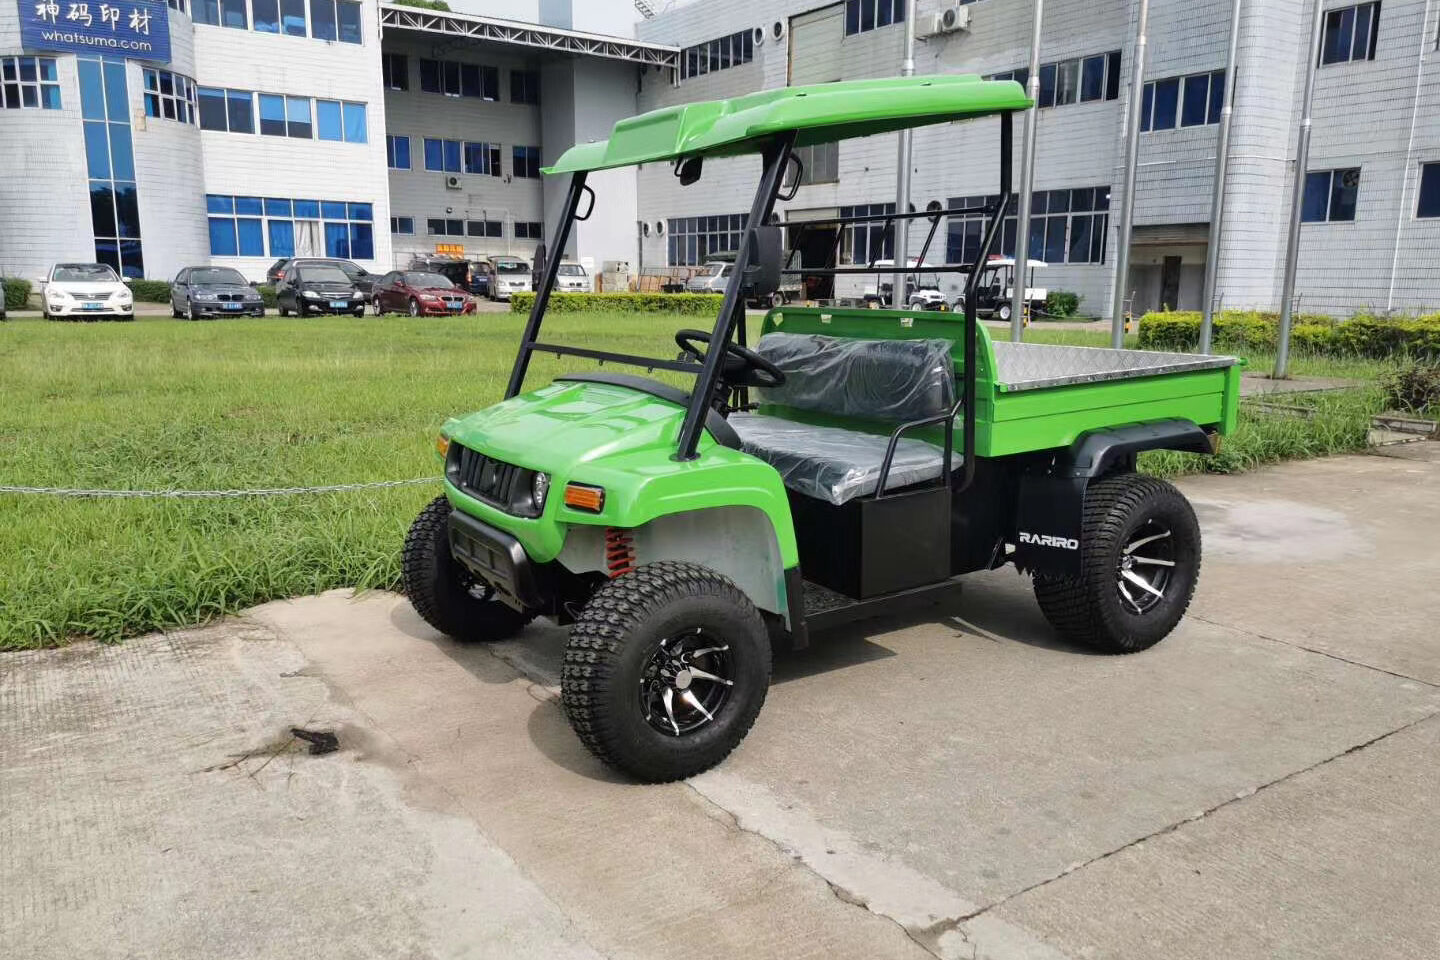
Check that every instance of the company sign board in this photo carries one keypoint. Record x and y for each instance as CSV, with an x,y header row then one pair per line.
x,y
137,29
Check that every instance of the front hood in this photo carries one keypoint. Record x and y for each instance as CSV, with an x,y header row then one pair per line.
x,y
339,289
228,289
565,426
439,292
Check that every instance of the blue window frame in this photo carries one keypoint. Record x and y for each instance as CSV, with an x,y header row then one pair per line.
x,y
434,154
355,126
272,115
348,16
405,225
333,210
1429,203
222,237
322,20
526,162
282,238
397,152
97,150
1351,33
1331,196
328,125
297,117
29,83
239,111
292,15
279,208
266,14
483,158
307,210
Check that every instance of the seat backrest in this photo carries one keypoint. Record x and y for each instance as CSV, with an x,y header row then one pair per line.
x,y
891,380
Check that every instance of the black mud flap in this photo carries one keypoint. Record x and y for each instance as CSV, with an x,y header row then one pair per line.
x,y
1048,522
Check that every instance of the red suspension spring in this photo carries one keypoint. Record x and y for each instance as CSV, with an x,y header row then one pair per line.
x,y
619,552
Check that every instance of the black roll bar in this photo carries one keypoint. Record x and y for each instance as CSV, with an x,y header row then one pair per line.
x,y
547,282
776,159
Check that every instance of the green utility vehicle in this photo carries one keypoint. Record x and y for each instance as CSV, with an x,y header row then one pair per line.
x,y
855,462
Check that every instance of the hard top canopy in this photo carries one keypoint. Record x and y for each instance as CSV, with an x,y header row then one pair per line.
x,y
818,114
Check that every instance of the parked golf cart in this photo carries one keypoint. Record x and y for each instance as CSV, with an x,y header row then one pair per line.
x,y
996,296
922,290
683,531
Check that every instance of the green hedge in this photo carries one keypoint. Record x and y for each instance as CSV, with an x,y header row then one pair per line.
x,y
1362,335
17,293
150,291
1063,303
268,293
685,304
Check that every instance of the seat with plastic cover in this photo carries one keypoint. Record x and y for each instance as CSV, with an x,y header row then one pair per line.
x,y
831,383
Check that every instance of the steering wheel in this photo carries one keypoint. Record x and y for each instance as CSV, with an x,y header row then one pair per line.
x,y
743,366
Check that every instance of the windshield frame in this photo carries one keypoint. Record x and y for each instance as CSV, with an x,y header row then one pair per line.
x,y
197,271
510,266
409,279
303,269
110,275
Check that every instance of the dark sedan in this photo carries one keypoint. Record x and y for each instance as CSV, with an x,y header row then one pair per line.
x,y
420,294
363,279
307,288
213,292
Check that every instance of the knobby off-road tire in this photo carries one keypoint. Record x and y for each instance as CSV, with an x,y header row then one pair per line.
x,y
1142,519
632,642
443,592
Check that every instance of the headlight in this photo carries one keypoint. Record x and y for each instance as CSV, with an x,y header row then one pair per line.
x,y
206,296
56,294
309,293
539,489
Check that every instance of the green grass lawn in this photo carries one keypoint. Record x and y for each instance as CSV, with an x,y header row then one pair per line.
x,y
158,404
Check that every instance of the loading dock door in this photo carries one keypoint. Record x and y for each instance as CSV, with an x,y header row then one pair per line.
x,y
815,39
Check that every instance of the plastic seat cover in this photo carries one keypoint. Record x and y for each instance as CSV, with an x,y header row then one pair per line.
x,y
834,464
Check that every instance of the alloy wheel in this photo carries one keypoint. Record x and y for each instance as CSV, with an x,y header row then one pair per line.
x,y
1146,566
686,682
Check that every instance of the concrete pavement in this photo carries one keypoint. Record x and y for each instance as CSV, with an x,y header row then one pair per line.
x,y
1262,784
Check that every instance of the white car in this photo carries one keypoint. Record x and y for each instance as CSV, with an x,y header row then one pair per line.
x,y
85,290
508,275
572,278
712,279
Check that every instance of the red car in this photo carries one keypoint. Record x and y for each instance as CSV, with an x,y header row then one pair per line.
x,y
420,294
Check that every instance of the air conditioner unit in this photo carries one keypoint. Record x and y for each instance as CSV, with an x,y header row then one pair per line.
x,y
950,18
452,182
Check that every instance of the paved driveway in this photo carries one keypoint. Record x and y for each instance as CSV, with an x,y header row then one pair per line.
x,y
1262,784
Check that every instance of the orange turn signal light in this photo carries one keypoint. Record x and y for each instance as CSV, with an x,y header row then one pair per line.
x,y
584,497
442,445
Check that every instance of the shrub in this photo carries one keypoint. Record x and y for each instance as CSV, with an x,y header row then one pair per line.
x,y
17,293
686,304
1063,303
268,293
150,291
440,5
1414,388
1234,330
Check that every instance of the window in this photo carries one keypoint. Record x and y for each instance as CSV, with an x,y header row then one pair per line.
x,y
863,15
1191,101
266,15
525,86
442,156
459,79
29,83
169,96
819,163
865,243
322,20
694,240
445,228
177,5
397,152
1082,80
484,228
221,13
110,159
348,14
395,68
482,158
231,110
245,226
1066,226
526,162
1331,195
1429,191
713,55
292,17
405,225
1350,33
529,230
328,125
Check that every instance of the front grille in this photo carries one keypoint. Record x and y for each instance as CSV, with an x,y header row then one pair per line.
x,y
92,297
232,297
482,477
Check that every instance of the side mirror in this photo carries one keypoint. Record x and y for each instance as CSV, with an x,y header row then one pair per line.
x,y
762,274
689,169
127,280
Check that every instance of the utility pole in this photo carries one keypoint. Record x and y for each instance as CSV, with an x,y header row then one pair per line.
x,y
902,178
1222,163
1297,198
1027,186
1132,159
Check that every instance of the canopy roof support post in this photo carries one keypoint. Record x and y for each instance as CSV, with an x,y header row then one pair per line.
x,y
1217,202
1021,292
1297,196
1132,158
547,283
902,177
776,158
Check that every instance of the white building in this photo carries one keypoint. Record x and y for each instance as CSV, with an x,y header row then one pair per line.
x,y
379,131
